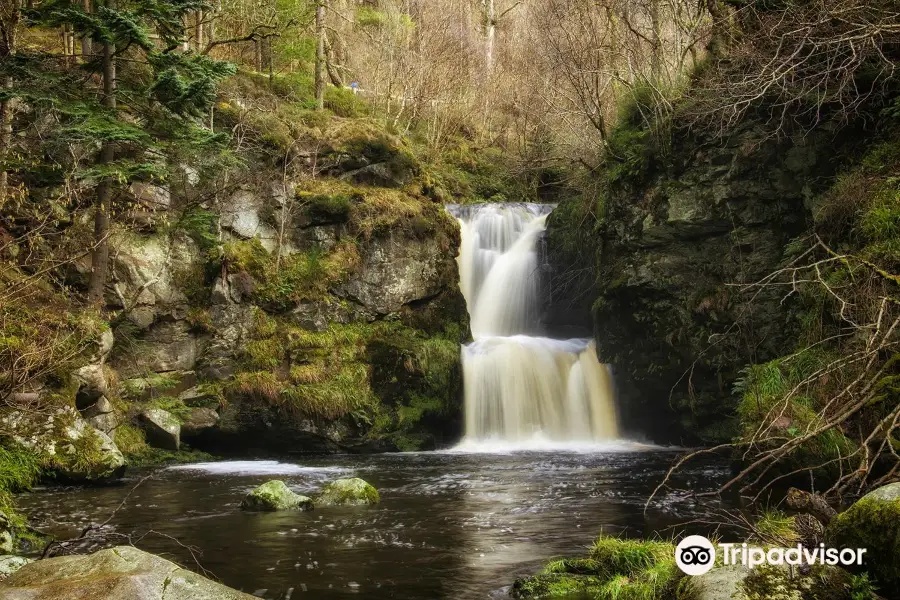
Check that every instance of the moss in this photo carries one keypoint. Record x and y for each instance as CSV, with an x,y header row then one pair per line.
x,y
628,556
130,440
616,569
557,585
323,208
174,406
776,527
280,284
348,492
871,523
154,384
19,470
777,384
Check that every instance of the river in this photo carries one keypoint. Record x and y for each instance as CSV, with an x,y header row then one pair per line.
x,y
450,525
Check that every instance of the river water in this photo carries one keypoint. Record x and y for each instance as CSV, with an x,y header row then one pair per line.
x,y
453,525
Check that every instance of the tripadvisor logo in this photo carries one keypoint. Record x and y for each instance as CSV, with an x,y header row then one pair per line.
x,y
695,555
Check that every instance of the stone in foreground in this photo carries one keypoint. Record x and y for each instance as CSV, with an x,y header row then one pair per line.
x,y
348,492
114,574
275,495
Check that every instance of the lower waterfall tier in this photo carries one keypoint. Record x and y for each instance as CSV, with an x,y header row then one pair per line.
x,y
521,388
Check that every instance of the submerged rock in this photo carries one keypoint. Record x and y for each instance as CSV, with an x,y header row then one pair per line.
x,y
163,430
113,574
352,491
275,495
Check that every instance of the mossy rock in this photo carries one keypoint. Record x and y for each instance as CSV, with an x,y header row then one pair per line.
x,y
275,495
348,492
873,523
557,585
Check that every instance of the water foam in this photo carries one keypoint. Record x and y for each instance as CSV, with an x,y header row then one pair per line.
x,y
254,467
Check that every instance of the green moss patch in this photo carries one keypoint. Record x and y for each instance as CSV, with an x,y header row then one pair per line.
x,y
615,569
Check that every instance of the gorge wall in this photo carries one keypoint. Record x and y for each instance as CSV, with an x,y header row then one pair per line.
x,y
673,240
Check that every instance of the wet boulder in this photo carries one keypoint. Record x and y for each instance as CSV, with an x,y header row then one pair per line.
x,y
112,574
275,495
873,522
348,492
162,428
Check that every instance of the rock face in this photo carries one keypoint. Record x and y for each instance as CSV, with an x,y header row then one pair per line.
x,y
675,239
163,429
395,272
275,495
348,492
281,296
873,522
112,574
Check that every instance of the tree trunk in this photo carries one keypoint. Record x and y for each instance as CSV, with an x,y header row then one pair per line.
x,y
6,113
270,61
198,31
100,255
320,54
9,21
656,51
86,46
490,33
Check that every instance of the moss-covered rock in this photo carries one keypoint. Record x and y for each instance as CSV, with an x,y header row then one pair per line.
x,y
275,495
66,446
557,585
348,492
873,523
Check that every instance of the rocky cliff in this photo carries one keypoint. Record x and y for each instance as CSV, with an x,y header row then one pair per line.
x,y
304,300
677,239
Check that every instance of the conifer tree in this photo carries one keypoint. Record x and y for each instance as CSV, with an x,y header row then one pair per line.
x,y
168,91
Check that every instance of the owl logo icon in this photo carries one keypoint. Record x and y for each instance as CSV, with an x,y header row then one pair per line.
x,y
695,555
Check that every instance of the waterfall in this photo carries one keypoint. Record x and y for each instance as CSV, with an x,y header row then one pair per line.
x,y
522,390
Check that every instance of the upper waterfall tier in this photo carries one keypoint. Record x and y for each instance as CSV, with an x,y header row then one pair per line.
x,y
498,265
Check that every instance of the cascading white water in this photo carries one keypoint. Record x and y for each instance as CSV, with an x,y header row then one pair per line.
x,y
522,390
